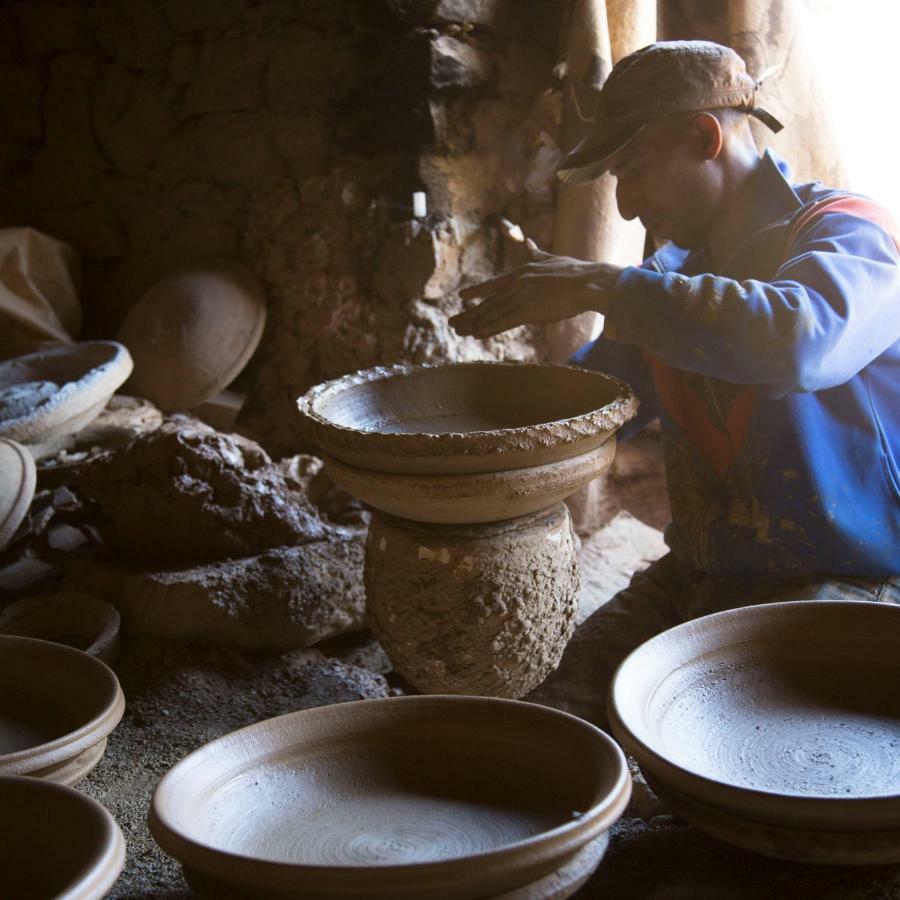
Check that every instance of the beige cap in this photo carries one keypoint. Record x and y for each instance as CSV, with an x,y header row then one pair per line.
x,y
657,80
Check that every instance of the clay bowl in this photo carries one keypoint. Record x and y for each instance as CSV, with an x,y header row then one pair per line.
x,y
481,497
57,707
18,478
56,842
77,620
408,797
193,332
464,418
784,713
57,392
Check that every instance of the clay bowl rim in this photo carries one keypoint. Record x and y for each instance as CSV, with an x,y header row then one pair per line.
x,y
104,869
116,366
602,419
810,812
42,756
566,838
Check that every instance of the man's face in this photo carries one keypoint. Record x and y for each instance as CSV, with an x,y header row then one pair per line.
x,y
661,180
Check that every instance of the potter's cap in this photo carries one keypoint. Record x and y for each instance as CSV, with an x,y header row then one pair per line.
x,y
193,332
660,79
17,482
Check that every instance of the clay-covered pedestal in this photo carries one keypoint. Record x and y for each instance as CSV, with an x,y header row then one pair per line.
x,y
478,609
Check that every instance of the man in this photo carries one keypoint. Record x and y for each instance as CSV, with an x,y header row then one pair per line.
x,y
765,336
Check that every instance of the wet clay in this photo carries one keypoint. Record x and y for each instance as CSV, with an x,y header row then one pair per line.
x,y
473,609
393,798
464,418
785,713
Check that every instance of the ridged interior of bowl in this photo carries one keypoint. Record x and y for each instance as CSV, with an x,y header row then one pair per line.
x,y
466,398
53,840
791,699
49,695
390,785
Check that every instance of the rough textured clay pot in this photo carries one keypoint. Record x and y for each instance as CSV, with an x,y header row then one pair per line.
x,y
77,620
57,707
193,332
479,609
407,797
785,714
57,392
18,478
56,842
464,418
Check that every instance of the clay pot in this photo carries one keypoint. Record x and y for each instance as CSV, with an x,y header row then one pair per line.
x,y
57,706
464,418
193,332
17,482
479,609
785,714
57,392
407,797
77,620
56,842
482,497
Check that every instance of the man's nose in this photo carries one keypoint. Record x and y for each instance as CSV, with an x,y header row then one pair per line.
x,y
626,199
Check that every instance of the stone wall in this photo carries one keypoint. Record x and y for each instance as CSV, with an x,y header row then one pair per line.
x,y
290,134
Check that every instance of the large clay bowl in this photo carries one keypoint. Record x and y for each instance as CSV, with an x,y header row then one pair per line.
x,y
56,842
408,797
480,497
464,418
784,713
57,392
57,706
193,332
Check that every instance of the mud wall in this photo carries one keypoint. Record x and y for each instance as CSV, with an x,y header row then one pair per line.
x,y
290,135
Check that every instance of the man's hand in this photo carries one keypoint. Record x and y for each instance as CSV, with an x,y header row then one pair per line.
x,y
547,289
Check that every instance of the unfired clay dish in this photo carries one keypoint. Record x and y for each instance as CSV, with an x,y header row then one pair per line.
x,y
56,842
482,497
17,481
57,704
77,620
57,392
464,418
783,713
408,797
193,332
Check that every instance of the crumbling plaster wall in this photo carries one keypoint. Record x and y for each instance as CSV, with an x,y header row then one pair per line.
x,y
289,134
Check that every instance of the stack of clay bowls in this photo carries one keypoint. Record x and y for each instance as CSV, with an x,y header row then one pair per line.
x,y
432,798
466,442
17,483
193,332
57,707
53,393
56,842
774,727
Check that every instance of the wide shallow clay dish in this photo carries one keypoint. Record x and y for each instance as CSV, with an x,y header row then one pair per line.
x,y
56,392
193,332
408,797
464,418
57,707
56,842
18,478
77,620
783,713
481,497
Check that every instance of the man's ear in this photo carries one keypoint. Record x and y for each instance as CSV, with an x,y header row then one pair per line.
x,y
706,132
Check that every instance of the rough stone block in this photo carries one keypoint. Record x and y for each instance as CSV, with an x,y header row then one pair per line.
x,y
68,102
202,15
49,28
456,64
525,70
480,12
94,230
134,32
20,102
227,79
309,70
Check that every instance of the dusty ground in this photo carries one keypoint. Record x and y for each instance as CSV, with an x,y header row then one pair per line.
x,y
180,696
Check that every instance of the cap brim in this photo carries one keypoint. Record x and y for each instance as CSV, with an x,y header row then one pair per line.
x,y
589,159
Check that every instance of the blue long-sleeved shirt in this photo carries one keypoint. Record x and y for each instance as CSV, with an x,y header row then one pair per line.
x,y
777,384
